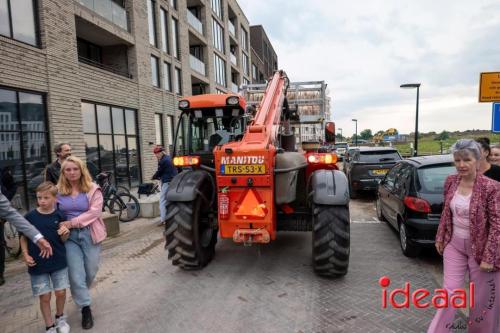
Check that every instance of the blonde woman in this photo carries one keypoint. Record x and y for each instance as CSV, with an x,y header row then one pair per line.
x,y
80,200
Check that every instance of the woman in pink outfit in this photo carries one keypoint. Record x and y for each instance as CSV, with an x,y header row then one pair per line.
x,y
468,237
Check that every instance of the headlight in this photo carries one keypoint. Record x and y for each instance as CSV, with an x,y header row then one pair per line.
x,y
184,104
233,100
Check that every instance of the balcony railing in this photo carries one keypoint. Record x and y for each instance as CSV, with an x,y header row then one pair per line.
x,y
197,64
234,87
104,67
233,59
108,9
194,22
230,27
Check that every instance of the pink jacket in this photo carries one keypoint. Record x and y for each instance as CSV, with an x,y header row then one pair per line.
x,y
484,215
92,217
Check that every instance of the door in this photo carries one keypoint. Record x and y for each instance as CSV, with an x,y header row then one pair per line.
x,y
395,201
385,191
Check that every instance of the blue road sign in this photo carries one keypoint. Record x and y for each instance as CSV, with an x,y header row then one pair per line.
x,y
495,119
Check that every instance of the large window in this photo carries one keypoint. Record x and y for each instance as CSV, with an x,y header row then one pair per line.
x,y
24,149
88,51
170,131
173,4
177,81
217,7
245,63
164,30
159,129
166,77
220,70
111,142
254,72
244,39
155,72
218,33
18,20
175,38
152,22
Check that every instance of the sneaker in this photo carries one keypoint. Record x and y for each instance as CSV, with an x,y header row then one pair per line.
x,y
51,330
87,320
62,325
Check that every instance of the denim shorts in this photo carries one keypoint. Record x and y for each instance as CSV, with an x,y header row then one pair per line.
x,y
48,282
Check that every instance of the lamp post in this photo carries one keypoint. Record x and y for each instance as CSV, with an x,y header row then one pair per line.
x,y
411,86
356,135
340,129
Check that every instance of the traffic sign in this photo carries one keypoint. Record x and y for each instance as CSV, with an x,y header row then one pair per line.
x,y
495,119
489,87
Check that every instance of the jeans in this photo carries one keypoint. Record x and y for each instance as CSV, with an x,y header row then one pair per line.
x,y
163,202
485,316
45,283
83,262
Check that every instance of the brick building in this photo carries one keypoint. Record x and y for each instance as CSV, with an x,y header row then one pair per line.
x,y
105,76
264,58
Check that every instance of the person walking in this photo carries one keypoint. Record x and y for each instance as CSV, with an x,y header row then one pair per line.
x,y
485,167
48,275
468,238
166,171
81,200
10,214
52,171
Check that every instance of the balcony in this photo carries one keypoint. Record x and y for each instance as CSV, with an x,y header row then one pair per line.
x,y
233,59
196,64
230,27
109,10
109,68
194,22
234,87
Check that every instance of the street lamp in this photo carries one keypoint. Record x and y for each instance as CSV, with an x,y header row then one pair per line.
x,y
340,129
356,135
411,86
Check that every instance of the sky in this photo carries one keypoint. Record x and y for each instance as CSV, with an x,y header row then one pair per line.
x,y
364,50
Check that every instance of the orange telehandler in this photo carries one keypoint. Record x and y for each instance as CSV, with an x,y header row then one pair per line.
x,y
241,178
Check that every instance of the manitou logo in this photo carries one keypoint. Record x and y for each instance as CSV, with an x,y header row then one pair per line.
x,y
440,299
242,160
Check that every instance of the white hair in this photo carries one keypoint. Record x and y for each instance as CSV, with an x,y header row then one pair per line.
x,y
467,145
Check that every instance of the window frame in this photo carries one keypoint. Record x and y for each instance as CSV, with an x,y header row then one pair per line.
x,y
157,72
165,45
175,38
36,23
167,84
159,116
152,3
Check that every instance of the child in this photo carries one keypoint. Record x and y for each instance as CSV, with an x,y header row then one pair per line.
x,y
50,274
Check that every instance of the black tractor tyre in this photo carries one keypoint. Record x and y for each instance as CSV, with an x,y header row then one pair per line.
x,y
190,237
331,240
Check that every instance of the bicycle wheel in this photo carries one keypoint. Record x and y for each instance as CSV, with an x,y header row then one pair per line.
x,y
11,238
126,206
122,189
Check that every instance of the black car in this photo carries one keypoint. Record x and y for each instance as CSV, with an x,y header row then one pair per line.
x,y
410,198
367,166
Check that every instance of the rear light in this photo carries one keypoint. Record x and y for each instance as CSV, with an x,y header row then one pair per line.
x,y
322,158
417,204
182,161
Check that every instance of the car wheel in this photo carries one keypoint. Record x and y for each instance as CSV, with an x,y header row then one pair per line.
x,y
378,207
407,247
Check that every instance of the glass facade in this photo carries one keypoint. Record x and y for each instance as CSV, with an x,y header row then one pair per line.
x,y
111,142
218,35
220,70
24,147
18,20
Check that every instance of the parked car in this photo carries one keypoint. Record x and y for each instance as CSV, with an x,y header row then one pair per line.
x,y
347,155
367,166
410,198
340,149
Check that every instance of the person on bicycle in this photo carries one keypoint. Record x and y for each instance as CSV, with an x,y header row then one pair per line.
x,y
165,173
81,200
53,170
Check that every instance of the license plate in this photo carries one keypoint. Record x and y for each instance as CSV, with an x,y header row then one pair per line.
x,y
380,172
235,169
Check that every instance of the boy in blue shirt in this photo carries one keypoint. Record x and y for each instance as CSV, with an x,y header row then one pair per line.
x,y
48,274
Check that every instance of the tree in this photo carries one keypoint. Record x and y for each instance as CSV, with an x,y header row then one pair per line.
x,y
339,137
442,136
366,134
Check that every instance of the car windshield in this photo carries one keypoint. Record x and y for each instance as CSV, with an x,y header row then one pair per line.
x,y
379,156
341,145
431,179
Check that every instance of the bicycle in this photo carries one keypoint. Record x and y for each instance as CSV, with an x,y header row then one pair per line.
x,y
119,202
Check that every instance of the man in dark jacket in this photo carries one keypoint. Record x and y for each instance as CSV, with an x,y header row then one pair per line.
x,y
53,170
166,171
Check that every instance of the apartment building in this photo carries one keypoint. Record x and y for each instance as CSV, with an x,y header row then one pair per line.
x,y
106,75
264,58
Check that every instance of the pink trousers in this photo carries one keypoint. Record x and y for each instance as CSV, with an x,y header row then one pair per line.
x,y
485,316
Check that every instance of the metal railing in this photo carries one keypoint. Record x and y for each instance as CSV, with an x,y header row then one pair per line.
x,y
233,59
230,27
197,64
108,68
108,9
194,22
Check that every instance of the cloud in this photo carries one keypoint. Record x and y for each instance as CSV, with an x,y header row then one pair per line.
x,y
365,49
